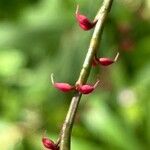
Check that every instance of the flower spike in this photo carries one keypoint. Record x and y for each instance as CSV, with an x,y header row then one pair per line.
x,y
86,89
83,21
64,87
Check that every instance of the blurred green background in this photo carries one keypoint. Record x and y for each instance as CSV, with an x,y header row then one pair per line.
x,y
38,37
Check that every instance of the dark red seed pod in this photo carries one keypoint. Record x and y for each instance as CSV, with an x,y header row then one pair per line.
x,y
108,61
65,87
49,143
83,21
86,89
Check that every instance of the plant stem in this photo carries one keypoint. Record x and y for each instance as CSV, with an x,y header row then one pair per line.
x,y
65,136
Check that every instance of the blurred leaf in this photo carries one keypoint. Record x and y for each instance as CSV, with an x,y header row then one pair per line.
x,y
106,126
10,135
11,61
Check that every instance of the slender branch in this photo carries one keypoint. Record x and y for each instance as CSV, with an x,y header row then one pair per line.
x,y
65,136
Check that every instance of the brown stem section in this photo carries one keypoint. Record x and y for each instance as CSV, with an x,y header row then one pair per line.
x,y
65,136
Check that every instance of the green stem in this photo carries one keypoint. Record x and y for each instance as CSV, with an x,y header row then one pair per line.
x,y
65,136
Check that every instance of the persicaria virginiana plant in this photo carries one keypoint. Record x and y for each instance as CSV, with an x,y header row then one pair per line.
x,y
81,87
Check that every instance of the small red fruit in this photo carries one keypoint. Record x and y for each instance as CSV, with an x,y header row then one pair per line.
x,y
86,89
104,60
49,143
64,87
83,21
108,61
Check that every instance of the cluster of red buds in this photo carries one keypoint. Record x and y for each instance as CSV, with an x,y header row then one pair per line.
x,y
83,21
86,88
104,61
49,144
66,87
85,24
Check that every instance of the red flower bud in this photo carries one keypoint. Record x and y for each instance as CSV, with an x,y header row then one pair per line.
x,y
86,89
49,144
108,61
64,87
83,21
104,61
